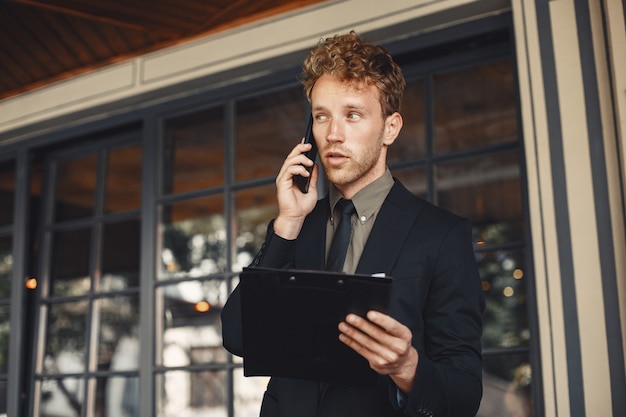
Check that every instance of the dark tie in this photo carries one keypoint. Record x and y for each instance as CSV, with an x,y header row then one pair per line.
x,y
341,239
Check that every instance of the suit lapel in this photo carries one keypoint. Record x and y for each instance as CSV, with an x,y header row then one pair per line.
x,y
393,223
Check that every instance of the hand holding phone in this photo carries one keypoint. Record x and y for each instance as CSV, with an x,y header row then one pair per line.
x,y
303,182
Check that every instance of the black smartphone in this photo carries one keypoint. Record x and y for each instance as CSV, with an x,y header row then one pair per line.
x,y
299,180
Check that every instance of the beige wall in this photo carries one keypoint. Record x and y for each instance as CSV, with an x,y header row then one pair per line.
x,y
572,74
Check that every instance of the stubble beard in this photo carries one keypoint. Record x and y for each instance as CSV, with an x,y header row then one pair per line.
x,y
356,169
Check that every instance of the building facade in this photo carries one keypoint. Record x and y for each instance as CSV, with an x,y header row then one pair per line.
x,y
133,195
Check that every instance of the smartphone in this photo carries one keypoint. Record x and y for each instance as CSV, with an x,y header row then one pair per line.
x,y
303,182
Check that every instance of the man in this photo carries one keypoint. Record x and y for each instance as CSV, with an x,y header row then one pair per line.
x,y
427,350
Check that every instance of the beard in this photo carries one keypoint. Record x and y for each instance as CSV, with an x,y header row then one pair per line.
x,y
363,168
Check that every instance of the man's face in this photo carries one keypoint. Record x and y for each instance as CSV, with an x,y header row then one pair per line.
x,y
350,132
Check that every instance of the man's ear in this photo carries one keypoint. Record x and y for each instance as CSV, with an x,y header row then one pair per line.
x,y
393,125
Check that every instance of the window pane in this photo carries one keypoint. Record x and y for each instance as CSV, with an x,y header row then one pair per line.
x,y
118,333
7,192
120,255
411,143
255,208
75,188
5,321
248,394
192,332
267,128
65,338
504,285
62,397
414,180
484,189
123,182
475,107
6,265
507,383
193,155
193,238
69,272
192,393
116,397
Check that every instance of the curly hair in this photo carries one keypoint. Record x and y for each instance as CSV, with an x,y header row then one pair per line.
x,y
351,58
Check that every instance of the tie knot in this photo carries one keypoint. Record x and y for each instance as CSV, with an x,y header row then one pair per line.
x,y
345,207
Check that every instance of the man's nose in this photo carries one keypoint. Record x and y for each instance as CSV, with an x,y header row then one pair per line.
x,y
335,131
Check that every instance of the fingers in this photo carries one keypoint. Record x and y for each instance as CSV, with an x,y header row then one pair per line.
x,y
380,339
295,164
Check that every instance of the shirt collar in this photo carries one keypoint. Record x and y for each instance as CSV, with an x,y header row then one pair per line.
x,y
368,200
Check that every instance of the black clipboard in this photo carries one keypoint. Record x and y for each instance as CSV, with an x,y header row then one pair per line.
x,y
290,318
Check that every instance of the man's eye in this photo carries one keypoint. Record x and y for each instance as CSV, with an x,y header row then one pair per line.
x,y
353,116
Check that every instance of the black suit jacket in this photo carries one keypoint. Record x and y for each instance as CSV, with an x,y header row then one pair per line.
x,y
436,293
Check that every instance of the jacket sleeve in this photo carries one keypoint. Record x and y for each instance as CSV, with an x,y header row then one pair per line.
x,y
275,252
448,382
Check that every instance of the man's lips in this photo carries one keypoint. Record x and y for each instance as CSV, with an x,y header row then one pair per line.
x,y
335,158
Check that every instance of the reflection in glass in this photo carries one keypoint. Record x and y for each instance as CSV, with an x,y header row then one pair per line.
x,y
414,179
116,397
475,107
248,394
120,255
484,189
267,128
193,238
255,208
192,332
504,287
6,265
61,397
123,181
192,393
7,192
193,153
75,188
65,338
5,321
507,382
411,142
118,338
69,270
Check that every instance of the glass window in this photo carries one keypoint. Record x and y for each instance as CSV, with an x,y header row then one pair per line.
x,y
474,107
7,201
7,192
6,266
192,393
123,179
88,363
120,255
255,207
75,188
267,127
411,142
60,397
65,338
193,238
118,333
484,188
194,152
69,270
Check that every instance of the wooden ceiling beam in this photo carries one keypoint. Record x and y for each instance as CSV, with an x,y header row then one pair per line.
x,y
98,18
